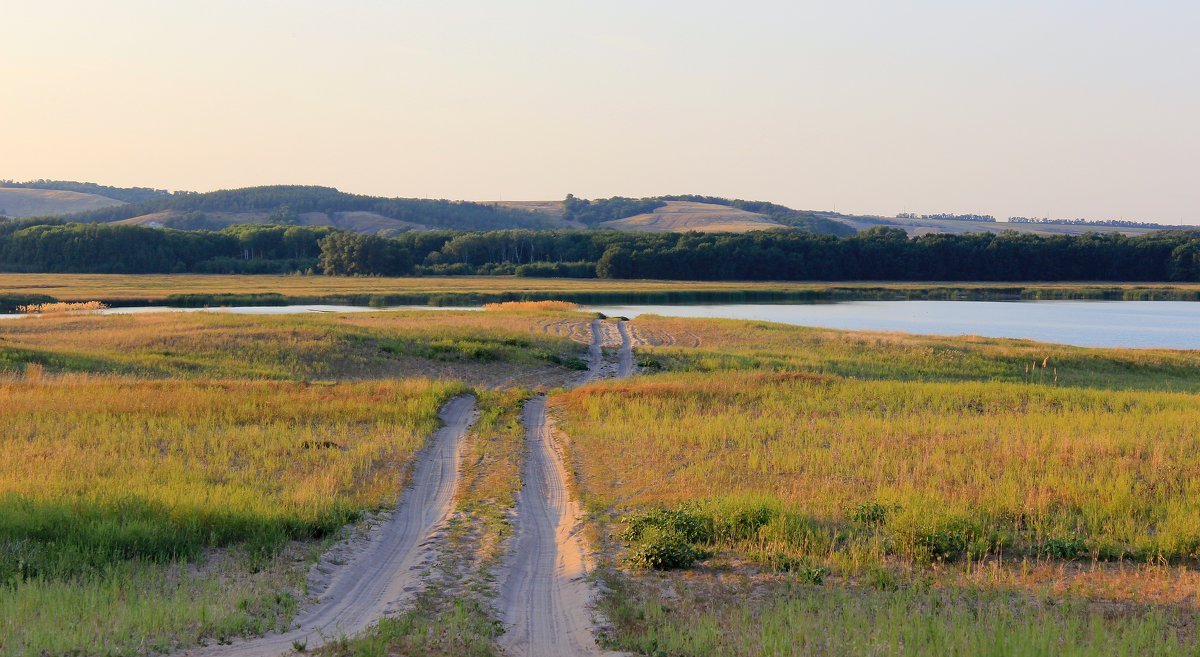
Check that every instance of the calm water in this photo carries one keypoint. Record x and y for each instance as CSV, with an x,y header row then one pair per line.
x,y
1162,324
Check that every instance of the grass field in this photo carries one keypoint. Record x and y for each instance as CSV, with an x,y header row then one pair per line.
x,y
167,478
939,495
487,348
217,290
139,515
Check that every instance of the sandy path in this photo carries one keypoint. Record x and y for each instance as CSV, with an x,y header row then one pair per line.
x,y
625,357
545,599
388,568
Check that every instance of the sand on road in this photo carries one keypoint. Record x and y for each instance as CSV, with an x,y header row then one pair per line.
x,y
545,598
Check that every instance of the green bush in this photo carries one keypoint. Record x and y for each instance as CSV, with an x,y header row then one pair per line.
x,y
683,520
662,549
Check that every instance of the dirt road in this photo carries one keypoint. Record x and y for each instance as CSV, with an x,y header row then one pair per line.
x,y
625,355
544,599
387,570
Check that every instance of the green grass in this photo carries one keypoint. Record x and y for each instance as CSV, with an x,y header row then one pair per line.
x,y
793,619
137,515
191,345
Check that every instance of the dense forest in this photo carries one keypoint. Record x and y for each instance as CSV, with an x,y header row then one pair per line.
x,y
592,212
295,199
876,254
52,246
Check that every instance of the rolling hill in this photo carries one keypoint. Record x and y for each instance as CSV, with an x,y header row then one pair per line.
x,y
683,216
21,202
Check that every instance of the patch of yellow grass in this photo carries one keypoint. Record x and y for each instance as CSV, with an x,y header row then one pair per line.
x,y
565,306
61,307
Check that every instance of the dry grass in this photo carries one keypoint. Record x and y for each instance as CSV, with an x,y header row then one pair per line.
x,y
553,306
22,202
136,516
484,348
61,307
680,216
998,466
115,288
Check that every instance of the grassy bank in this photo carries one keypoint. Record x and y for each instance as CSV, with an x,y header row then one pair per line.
x,y
713,345
217,290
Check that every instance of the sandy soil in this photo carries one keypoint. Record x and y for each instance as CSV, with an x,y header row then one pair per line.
x,y
545,599
364,579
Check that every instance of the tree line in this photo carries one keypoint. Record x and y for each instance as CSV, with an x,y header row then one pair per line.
x,y
53,247
880,253
877,254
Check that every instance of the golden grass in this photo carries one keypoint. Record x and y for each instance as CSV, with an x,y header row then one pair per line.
x,y
554,306
678,216
1017,466
486,347
61,307
264,449
134,287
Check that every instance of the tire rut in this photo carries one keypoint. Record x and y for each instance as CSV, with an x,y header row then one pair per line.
x,y
545,598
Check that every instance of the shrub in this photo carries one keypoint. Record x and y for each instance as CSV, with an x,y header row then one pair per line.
x,y
683,520
662,549
1068,547
872,513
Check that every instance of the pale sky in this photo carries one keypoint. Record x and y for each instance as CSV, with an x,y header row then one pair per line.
x,y
1007,107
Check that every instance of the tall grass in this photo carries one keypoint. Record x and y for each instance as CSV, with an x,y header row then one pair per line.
x,y
113,492
921,470
696,619
290,347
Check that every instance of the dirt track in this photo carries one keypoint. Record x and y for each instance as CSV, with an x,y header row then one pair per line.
x,y
385,571
545,600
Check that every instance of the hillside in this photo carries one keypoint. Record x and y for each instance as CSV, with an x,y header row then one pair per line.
x,y
683,216
316,206
917,227
369,223
19,202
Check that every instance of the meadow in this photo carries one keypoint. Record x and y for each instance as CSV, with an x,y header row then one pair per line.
x,y
137,515
487,348
940,495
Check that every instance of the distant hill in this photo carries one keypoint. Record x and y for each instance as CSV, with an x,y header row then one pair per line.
x,y
683,216
125,194
925,226
311,205
690,212
369,223
20,202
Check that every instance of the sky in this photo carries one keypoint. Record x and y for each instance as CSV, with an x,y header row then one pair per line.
x,y
1049,108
